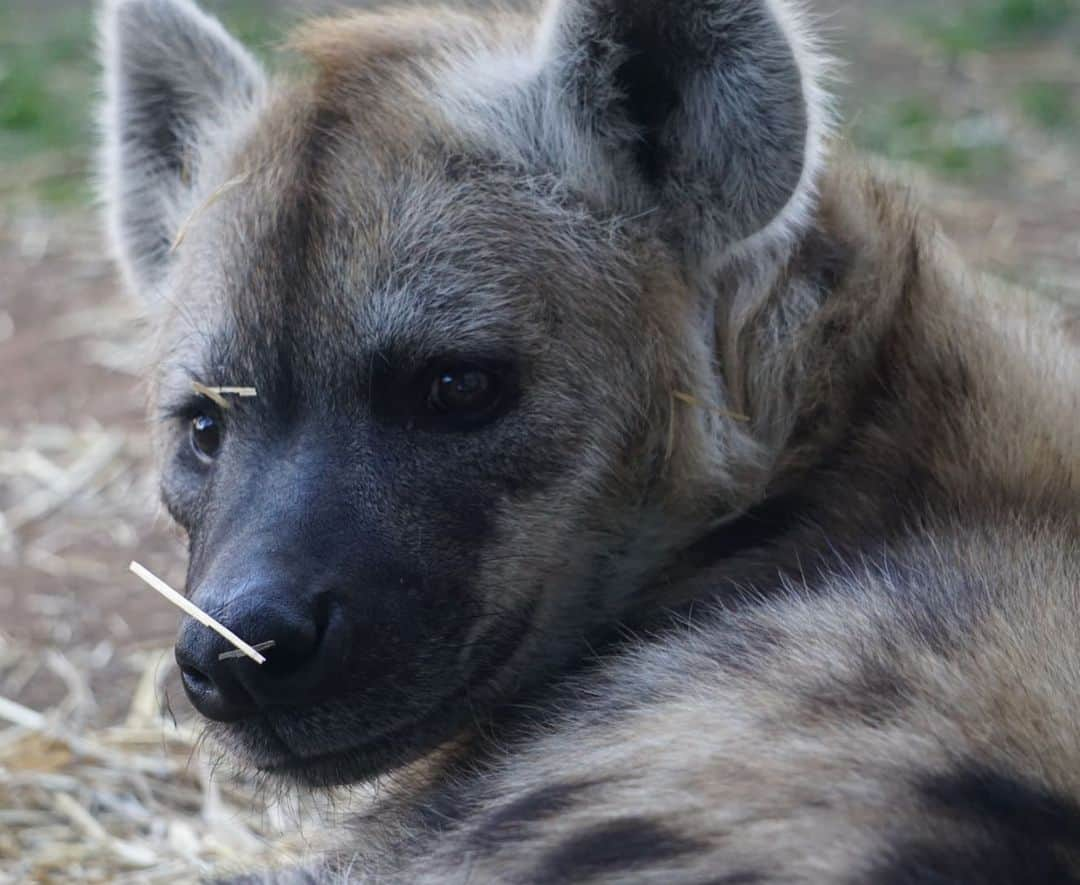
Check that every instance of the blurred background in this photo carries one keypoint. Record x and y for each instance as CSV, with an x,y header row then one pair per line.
x,y
978,99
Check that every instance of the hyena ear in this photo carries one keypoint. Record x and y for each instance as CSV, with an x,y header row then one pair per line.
x,y
174,80
707,113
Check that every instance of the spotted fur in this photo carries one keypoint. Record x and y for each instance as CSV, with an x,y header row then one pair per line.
x,y
769,571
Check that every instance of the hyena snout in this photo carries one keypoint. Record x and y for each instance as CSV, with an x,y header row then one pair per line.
x,y
308,645
364,574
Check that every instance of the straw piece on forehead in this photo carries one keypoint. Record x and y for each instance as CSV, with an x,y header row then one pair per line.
x,y
210,393
235,391
188,607
218,394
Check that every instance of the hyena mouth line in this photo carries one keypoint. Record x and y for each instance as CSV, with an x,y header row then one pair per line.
x,y
404,740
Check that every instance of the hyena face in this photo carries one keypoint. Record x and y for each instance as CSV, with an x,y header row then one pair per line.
x,y
467,266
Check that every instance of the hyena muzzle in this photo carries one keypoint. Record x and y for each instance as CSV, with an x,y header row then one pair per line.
x,y
632,474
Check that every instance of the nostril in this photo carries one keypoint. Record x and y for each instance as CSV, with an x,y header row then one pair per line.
x,y
195,679
216,696
210,687
225,687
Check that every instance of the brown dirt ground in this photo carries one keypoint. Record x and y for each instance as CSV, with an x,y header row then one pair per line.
x,y
73,462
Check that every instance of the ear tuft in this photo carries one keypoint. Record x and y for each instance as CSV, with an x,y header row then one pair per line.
x,y
174,79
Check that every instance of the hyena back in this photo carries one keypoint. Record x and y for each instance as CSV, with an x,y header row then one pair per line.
x,y
638,479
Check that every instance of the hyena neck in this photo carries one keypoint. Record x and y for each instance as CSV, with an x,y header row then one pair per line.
x,y
866,359
800,325
800,328
733,440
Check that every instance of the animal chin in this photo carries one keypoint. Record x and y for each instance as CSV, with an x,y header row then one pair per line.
x,y
281,750
347,766
296,745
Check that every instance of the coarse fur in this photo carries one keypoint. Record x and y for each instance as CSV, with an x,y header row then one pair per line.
x,y
765,568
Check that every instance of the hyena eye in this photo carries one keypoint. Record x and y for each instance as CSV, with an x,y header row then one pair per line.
x,y
205,435
464,390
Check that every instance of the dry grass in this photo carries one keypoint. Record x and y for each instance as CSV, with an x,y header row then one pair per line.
x,y
131,802
98,782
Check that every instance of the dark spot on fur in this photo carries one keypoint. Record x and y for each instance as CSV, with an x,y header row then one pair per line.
x,y
757,529
978,861
875,695
510,821
981,795
995,829
615,848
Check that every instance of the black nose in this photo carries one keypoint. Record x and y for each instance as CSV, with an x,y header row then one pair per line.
x,y
231,687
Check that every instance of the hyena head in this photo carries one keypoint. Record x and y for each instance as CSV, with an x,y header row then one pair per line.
x,y
470,267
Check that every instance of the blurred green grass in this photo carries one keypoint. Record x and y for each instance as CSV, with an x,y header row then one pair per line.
x,y
960,119
1051,105
49,92
914,129
49,82
46,74
967,26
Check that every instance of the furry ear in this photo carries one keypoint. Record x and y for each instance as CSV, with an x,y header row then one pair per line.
x,y
173,78
710,108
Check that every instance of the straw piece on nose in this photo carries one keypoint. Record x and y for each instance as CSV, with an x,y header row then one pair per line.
x,y
188,607
238,653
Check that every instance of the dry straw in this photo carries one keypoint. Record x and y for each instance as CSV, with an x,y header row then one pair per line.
x,y
216,195
238,653
131,802
188,607
218,394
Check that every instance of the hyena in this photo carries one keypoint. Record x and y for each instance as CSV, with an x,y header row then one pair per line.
x,y
636,483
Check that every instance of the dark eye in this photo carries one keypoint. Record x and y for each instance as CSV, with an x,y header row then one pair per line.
x,y
466,391
205,435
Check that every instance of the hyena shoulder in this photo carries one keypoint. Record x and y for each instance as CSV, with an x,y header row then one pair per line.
x,y
906,717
